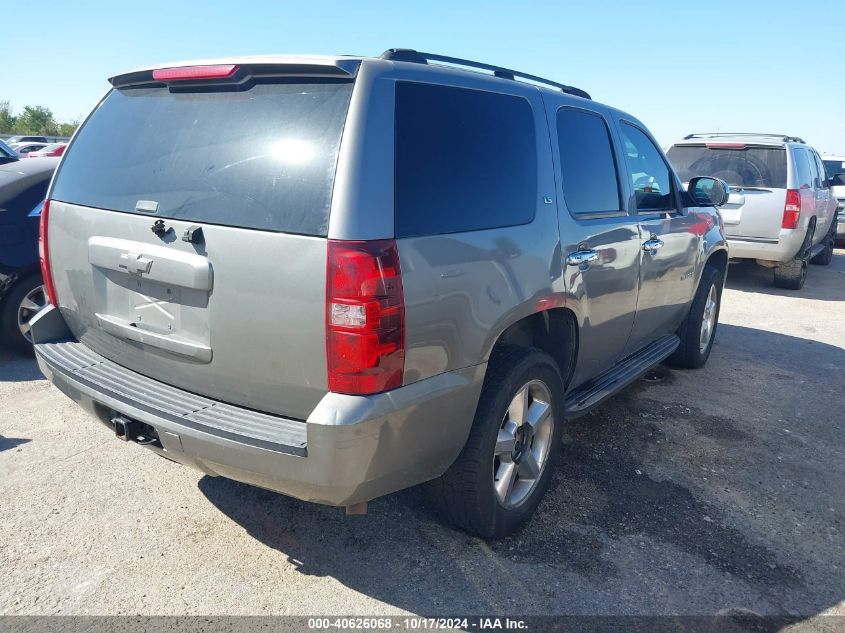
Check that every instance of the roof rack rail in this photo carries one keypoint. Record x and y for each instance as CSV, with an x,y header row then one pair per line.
x,y
417,57
786,138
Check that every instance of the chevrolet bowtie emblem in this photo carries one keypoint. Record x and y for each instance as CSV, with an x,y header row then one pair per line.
x,y
135,264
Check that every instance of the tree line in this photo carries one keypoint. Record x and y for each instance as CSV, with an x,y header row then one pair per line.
x,y
33,120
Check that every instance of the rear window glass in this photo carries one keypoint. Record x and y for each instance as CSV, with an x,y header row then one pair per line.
x,y
746,166
263,158
465,160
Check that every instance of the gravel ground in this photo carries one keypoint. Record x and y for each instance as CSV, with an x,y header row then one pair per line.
x,y
695,492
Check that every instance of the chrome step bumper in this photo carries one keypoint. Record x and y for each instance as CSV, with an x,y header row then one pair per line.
x,y
109,380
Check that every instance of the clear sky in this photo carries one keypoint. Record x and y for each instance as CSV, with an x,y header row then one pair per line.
x,y
729,65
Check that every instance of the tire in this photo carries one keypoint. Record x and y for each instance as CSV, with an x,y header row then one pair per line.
x,y
466,493
25,298
791,275
694,351
826,255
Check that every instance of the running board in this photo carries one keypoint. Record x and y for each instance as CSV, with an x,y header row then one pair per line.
x,y
627,371
815,250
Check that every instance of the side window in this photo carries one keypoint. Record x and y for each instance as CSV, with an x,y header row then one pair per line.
x,y
820,169
588,169
814,170
805,174
466,160
650,176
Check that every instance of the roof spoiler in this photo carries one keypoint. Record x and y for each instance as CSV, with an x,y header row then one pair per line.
x,y
780,137
235,74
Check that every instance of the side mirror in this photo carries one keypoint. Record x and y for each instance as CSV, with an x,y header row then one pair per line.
x,y
838,180
709,192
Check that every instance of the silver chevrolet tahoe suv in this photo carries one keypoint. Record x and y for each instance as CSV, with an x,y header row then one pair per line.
x,y
340,277
781,211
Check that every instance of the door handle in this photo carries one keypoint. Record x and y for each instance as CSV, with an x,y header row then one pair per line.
x,y
652,245
581,257
135,264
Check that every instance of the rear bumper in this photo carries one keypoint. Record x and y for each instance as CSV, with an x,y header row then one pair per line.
x,y
781,249
351,448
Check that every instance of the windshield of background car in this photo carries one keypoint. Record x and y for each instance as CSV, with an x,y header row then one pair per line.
x,y
262,158
741,166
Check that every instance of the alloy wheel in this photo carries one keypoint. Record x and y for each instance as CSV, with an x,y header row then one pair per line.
x,y
708,319
522,446
32,303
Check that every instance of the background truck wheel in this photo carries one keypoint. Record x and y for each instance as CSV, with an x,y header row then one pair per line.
x,y
698,331
22,303
498,480
792,274
826,255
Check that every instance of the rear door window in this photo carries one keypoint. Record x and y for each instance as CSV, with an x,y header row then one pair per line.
x,y
820,172
263,158
466,160
802,164
813,169
739,165
587,164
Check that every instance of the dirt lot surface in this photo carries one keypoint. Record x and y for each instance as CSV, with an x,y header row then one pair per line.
x,y
697,492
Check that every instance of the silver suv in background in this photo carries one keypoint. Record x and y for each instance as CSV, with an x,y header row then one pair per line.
x,y
336,277
781,211
835,168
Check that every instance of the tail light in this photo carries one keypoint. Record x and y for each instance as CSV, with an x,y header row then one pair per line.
x,y
44,254
365,317
792,209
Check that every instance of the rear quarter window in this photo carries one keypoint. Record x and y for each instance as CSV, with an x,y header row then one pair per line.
x,y
263,158
466,160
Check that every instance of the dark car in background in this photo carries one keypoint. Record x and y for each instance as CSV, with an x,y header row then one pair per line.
x,y
7,154
26,139
23,185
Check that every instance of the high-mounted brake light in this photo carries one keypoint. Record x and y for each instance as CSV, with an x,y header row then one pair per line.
x,y
365,317
726,145
792,209
186,73
44,254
